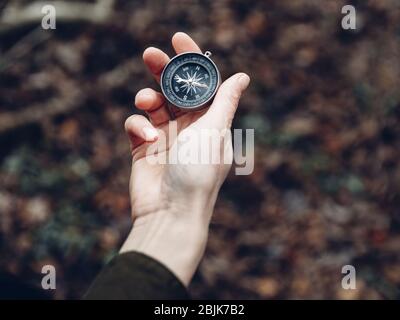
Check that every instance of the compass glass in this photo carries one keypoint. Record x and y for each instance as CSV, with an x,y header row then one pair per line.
x,y
190,80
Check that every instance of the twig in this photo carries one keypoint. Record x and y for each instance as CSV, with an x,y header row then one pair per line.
x,y
71,96
69,100
23,47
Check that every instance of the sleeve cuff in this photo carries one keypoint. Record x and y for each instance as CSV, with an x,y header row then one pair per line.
x,y
135,276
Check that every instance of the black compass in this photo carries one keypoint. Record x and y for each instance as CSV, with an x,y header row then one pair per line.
x,y
190,80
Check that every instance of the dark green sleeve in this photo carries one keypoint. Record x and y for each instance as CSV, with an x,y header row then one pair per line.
x,y
135,276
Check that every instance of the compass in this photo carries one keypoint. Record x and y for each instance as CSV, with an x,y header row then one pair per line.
x,y
190,80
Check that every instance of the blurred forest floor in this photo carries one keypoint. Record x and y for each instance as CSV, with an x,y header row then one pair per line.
x,y
324,103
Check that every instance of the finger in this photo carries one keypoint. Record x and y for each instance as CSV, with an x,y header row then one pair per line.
x,y
223,108
154,104
139,130
183,43
155,60
149,100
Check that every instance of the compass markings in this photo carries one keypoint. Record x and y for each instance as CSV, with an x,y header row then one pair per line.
x,y
191,83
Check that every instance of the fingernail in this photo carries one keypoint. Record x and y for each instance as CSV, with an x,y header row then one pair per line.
x,y
244,80
150,134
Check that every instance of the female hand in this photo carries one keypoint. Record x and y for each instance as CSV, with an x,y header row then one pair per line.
x,y
172,203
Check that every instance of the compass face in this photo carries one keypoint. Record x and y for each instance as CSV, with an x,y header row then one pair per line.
x,y
190,80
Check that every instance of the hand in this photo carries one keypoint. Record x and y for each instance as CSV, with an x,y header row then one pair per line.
x,y
172,204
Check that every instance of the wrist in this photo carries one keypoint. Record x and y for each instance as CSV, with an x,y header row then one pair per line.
x,y
175,236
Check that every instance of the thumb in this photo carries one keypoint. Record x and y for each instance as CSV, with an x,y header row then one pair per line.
x,y
223,108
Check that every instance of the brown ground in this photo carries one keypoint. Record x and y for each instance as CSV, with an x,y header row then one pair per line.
x,y
325,104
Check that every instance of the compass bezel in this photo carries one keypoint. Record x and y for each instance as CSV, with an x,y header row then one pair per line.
x,y
195,106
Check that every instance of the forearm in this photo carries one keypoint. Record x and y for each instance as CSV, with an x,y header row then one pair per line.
x,y
175,236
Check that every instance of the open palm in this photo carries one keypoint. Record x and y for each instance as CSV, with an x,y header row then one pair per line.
x,y
155,186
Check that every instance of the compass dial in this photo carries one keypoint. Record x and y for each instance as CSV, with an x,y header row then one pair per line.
x,y
190,80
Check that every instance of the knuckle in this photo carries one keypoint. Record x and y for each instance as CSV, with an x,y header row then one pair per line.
x,y
235,96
